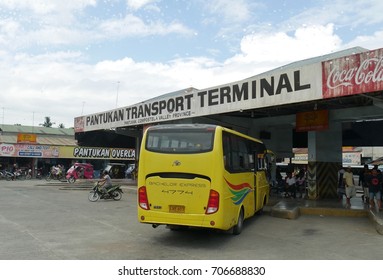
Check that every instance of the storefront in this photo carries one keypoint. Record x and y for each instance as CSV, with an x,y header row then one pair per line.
x,y
45,156
41,148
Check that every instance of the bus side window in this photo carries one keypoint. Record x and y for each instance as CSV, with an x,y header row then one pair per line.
x,y
256,165
251,162
261,162
226,152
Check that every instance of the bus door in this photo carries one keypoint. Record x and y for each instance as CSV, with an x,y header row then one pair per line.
x,y
261,180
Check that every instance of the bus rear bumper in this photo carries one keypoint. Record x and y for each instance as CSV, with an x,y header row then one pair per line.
x,y
195,220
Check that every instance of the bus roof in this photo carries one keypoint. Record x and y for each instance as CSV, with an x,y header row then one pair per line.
x,y
202,126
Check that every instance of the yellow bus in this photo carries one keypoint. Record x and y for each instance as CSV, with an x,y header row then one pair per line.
x,y
200,175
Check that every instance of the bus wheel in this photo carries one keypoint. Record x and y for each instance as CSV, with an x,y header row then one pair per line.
x,y
260,211
237,229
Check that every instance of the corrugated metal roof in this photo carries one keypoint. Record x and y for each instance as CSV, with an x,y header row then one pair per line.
x,y
45,135
317,59
6,128
42,140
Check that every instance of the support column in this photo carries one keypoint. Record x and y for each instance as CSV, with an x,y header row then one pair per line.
x,y
324,161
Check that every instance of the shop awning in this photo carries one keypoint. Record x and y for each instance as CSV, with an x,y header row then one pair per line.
x,y
42,140
378,161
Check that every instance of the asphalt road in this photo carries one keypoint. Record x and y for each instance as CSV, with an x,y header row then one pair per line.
x,y
47,223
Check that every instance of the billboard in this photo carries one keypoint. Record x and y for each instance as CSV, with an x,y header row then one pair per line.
x,y
354,74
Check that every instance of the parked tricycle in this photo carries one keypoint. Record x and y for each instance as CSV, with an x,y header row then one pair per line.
x,y
79,171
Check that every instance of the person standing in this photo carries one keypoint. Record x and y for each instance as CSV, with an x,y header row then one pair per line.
x,y
290,185
349,185
363,183
374,181
301,182
340,189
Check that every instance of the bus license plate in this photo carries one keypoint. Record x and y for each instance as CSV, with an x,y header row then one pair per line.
x,y
176,209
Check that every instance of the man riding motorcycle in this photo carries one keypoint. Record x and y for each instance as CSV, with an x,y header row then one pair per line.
x,y
105,182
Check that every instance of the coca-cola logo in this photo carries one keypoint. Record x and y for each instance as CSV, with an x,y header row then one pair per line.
x,y
370,70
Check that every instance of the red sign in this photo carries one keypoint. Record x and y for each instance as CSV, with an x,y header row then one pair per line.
x,y
354,74
312,121
79,124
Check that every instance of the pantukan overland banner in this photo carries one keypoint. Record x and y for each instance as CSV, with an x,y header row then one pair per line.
x,y
282,86
71,152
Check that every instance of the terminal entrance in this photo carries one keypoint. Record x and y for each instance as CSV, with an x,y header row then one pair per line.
x,y
321,104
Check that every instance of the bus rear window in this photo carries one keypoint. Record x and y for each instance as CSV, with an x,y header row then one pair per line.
x,y
180,141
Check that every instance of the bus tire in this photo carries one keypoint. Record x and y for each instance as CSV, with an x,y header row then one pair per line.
x,y
261,210
237,229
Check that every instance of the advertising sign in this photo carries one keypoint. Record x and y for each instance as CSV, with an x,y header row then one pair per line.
x,y
71,152
26,150
354,74
7,150
98,153
347,158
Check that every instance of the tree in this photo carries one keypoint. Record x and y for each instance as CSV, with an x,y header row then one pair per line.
x,y
47,122
61,125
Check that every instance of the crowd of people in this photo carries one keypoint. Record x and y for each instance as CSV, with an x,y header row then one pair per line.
x,y
292,184
371,181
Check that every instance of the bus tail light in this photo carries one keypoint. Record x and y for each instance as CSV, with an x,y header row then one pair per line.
x,y
213,203
143,198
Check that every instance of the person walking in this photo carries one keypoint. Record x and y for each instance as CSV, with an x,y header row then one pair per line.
x,y
340,189
374,181
363,183
349,185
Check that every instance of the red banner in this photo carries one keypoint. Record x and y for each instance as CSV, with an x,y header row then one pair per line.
x,y
354,74
312,121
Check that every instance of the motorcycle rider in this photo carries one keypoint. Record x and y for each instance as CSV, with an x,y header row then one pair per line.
x,y
14,171
105,182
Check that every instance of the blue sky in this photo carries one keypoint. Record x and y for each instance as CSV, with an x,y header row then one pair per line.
x,y
63,59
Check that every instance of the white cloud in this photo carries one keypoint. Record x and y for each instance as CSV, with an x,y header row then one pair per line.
x,y
138,4
62,85
132,25
42,7
374,41
282,48
233,11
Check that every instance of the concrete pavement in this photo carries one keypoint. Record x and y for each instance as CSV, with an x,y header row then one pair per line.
x,y
287,208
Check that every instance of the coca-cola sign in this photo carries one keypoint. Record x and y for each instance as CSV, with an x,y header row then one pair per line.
x,y
355,74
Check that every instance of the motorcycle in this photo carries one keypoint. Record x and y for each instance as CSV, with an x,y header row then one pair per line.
x,y
3,174
114,192
39,173
17,175
55,174
28,174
